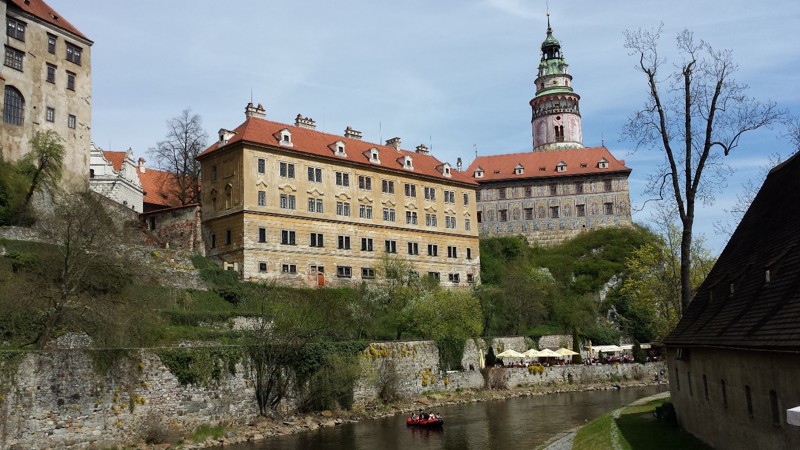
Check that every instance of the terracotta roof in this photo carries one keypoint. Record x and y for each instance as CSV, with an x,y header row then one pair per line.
x,y
317,143
115,158
44,12
751,298
579,161
160,188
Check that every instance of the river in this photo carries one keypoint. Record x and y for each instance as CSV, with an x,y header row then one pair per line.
x,y
518,423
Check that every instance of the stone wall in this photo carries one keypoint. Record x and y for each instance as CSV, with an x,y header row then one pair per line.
x,y
176,228
556,341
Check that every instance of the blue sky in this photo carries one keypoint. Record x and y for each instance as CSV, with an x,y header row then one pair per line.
x,y
454,75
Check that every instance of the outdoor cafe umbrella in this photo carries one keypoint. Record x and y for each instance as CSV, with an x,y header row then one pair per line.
x,y
532,353
510,354
565,352
547,353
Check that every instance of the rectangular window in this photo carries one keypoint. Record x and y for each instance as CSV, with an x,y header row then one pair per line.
x,y
502,215
286,170
316,240
410,190
315,269
315,174
288,201
430,220
430,193
724,394
387,186
51,43
388,214
228,237
213,240
580,210
609,208
579,187
288,237
411,217
262,266
470,278
749,399
453,278
213,173
15,29
367,273
74,53
344,243
528,191
343,209
776,410
466,198
449,196
72,121
450,222
435,275
344,271
554,212
364,182
366,244
469,253
501,193
262,198
14,58
452,251
365,211
51,114
477,196
413,248
51,73
315,205
262,234
553,189
342,179
70,81
607,185
288,268
528,213
390,246
262,166
433,250
467,225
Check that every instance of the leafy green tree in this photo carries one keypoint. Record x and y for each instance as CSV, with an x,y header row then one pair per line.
x,y
13,186
46,161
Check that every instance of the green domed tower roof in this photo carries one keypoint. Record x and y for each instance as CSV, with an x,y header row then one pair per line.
x,y
551,48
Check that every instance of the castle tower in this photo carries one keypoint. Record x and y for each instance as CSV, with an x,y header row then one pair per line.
x,y
556,120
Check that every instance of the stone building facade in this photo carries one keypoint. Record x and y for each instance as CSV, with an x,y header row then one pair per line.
x,y
561,188
46,80
292,204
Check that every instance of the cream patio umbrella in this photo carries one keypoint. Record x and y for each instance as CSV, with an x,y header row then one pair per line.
x,y
532,353
565,352
510,354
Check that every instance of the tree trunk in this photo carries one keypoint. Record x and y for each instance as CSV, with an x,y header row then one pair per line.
x,y
686,265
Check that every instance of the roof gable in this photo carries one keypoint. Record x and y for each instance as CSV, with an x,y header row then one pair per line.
x,y
579,161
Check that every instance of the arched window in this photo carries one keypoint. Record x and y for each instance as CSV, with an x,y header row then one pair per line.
x,y
13,106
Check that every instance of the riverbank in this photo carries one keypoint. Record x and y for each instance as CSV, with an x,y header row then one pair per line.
x,y
265,428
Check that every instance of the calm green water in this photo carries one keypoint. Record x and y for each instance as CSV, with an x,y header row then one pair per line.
x,y
520,423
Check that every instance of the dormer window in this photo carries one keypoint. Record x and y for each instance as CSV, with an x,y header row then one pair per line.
x,y
408,164
519,170
561,167
602,164
285,137
478,173
374,156
338,148
445,169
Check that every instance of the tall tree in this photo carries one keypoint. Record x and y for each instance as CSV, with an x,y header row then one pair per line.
x,y
44,162
177,154
695,115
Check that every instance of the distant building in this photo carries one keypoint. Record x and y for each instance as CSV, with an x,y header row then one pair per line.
x,y
561,188
115,175
734,357
47,84
299,206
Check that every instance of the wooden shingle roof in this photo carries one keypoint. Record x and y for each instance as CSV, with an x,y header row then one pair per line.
x,y
751,298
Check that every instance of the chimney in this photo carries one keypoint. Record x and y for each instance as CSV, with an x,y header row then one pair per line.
x,y
258,112
351,133
141,165
422,149
304,122
393,142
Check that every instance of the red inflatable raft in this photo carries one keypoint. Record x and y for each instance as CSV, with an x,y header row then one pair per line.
x,y
426,423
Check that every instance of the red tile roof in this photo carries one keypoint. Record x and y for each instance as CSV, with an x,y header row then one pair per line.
x,y
43,11
115,158
317,143
579,161
160,188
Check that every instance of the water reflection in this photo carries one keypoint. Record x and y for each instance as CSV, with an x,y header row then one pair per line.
x,y
521,423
